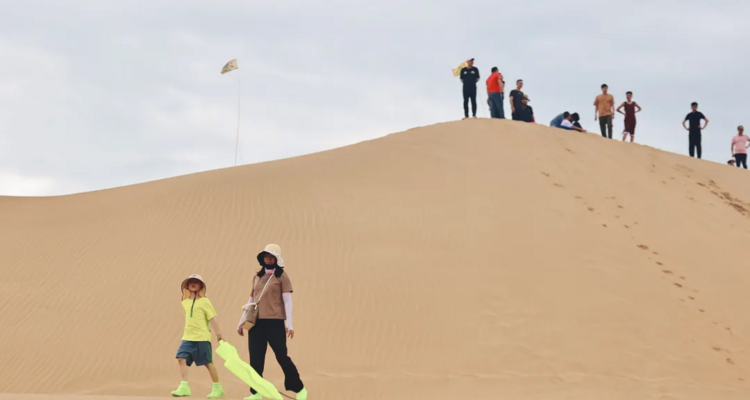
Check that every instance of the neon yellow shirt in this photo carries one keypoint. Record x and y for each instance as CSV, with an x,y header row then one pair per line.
x,y
197,326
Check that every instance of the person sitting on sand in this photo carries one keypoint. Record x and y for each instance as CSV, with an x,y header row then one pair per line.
x,y
555,123
272,290
565,121
739,147
567,124
526,113
576,120
196,340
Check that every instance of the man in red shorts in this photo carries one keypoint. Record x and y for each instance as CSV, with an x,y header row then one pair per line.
x,y
631,108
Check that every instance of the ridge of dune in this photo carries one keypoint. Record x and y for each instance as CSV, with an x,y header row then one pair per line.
x,y
482,258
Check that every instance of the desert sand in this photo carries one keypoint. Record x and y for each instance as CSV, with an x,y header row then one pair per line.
x,y
480,259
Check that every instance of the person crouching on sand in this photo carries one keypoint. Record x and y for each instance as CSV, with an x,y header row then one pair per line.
x,y
272,292
196,340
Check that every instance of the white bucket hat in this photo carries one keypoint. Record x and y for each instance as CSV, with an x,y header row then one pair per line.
x,y
186,292
274,250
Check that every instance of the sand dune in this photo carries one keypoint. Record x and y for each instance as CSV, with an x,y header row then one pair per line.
x,y
478,259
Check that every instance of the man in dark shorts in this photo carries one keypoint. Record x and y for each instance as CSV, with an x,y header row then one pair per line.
x,y
631,108
516,100
695,128
470,77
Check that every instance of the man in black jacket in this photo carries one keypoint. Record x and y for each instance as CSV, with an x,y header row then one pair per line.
x,y
470,77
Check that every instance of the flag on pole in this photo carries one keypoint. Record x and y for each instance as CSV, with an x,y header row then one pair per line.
x,y
457,71
231,65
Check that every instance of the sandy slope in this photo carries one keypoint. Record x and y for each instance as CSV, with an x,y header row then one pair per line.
x,y
485,258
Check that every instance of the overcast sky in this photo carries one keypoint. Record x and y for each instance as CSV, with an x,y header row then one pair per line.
x,y
98,94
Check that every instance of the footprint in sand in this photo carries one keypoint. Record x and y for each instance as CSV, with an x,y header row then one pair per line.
x,y
678,285
591,209
730,361
701,310
666,271
626,227
691,297
659,263
716,348
545,174
559,185
604,225
643,247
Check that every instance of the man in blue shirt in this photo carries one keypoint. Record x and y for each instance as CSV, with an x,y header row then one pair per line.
x,y
555,123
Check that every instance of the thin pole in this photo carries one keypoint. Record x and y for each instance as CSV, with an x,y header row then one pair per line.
x,y
237,141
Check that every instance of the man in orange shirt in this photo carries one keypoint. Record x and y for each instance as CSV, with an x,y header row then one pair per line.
x,y
496,94
604,111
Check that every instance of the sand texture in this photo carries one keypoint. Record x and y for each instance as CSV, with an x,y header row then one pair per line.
x,y
479,259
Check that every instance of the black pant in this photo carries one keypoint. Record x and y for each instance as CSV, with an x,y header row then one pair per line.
x,y
694,139
470,92
272,332
741,159
604,123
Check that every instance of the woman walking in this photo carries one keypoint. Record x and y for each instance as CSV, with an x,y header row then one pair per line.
x,y
272,293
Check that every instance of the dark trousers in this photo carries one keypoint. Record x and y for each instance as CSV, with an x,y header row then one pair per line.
x,y
470,93
604,123
741,159
272,332
694,141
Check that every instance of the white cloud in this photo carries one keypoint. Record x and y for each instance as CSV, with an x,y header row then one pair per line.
x,y
13,184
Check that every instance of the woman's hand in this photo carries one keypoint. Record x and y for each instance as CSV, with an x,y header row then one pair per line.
x,y
240,331
290,333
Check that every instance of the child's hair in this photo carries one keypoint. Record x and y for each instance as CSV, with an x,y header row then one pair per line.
x,y
576,117
630,93
694,104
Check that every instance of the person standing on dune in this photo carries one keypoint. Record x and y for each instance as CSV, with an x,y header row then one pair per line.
x,y
469,78
631,108
272,294
740,144
496,94
516,101
604,111
196,340
695,130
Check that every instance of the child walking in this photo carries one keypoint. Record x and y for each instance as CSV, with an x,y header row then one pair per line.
x,y
196,341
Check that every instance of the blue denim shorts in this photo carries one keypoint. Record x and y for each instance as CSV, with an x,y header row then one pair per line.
x,y
199,353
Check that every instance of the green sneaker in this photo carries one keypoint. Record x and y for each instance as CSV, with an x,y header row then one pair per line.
x,y
256,396
182,391
217,392
302,394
